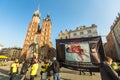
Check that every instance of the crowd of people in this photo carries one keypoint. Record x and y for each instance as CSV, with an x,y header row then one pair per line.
x,y
49,69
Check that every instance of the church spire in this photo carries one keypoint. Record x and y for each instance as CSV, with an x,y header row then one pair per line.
x,y
36,16
37,13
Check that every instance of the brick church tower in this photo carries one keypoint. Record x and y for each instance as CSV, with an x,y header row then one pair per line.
x,y
38,35
46,32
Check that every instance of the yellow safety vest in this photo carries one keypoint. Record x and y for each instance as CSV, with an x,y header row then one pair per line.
x,y
44,67
34,69
115,66
14,67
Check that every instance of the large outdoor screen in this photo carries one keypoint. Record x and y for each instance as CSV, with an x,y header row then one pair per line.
x,y
83,50
77,52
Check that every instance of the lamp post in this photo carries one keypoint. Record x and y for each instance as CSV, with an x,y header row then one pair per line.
x,y
36,46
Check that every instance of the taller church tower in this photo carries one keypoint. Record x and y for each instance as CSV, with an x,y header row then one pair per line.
x,y
38,35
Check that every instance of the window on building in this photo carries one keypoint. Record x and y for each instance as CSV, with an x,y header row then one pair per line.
x,y
89,31
45,29
81,33
61,38
45,33
75,34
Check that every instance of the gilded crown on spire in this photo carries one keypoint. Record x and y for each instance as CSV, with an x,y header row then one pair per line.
x,y
37,13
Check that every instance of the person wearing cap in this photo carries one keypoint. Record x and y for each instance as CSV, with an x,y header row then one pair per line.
x,y
34,69
56,69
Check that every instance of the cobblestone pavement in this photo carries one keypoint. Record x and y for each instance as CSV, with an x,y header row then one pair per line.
x,y
66,74
4,71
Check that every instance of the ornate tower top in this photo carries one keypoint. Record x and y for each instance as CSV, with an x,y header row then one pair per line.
x,y
47,18
37,13
36,16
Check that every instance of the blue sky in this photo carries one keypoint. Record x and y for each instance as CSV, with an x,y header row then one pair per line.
x,y
15,16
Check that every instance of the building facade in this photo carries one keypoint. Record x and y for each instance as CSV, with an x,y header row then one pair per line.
x,y
14,53
11,53
115,29
37,35
79,32
110,48
106,50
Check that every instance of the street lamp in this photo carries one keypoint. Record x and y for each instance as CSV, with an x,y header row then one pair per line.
x,y
36,41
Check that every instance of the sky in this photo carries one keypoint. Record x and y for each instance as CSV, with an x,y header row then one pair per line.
x,y
15,16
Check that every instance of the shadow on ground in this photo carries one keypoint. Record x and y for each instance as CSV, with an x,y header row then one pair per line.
x,y
77,72
4,77
70,72
65,79
6,72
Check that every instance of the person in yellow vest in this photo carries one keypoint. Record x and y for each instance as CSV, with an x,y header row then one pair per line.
x,y
14,69
34,69
44,66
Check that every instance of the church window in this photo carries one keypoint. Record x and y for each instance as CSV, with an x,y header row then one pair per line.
x,y
46,33
45,29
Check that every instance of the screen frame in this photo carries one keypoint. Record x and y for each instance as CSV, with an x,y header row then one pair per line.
x,y
60,48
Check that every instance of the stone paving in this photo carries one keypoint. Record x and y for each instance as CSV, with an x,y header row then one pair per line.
x,y
66,74
4,71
